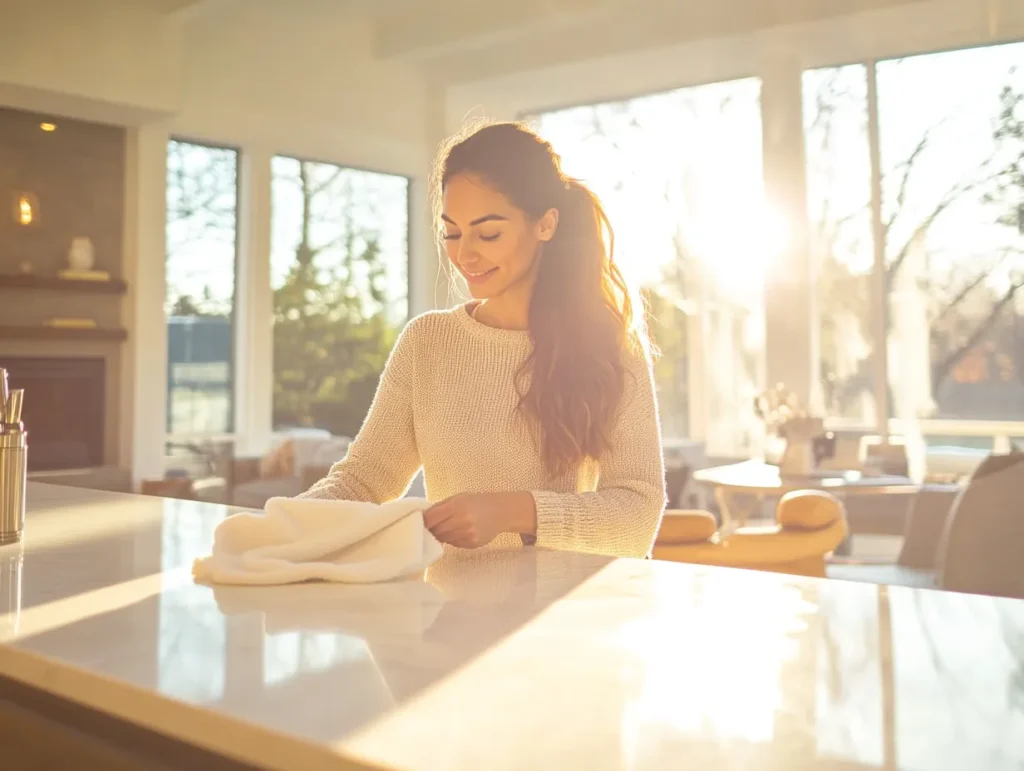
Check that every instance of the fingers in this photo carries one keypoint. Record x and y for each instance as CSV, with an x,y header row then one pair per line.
x,y
444,522
445,534
460,540
451,523
454,530
438,513
461,534
451,530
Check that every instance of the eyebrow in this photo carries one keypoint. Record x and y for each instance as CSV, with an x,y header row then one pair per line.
x,y
478,220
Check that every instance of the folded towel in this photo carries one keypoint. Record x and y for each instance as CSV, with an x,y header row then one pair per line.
x,y
302,539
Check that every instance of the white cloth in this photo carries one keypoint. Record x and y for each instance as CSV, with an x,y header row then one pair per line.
x,y
300,539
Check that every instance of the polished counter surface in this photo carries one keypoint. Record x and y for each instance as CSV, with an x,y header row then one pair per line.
x,y
504,660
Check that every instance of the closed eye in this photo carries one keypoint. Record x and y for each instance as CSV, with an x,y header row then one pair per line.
x,y
495,237
452,236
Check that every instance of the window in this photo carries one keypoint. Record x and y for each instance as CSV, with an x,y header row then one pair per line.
x,y
951,128
339,271
950,142
673,169
841,236
202,204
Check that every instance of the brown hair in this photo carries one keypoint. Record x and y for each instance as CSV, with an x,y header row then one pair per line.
x,y
581,317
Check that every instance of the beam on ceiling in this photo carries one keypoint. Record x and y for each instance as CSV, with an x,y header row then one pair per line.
x,y
464,26
193,10
646,24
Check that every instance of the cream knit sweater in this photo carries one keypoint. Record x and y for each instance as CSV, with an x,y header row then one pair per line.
x,y
447,403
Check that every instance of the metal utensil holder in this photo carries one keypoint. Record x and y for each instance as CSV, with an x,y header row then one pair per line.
x,y
13,463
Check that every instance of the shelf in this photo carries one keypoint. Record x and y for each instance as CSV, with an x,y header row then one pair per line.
x,y
62,333
57,284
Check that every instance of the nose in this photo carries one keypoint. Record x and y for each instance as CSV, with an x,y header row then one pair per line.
x,y
465,255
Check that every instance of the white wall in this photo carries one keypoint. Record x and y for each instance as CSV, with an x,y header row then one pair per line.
x,y
300,84
98,60
239,73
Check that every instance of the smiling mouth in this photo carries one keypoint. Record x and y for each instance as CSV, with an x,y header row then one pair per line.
x,y
479,276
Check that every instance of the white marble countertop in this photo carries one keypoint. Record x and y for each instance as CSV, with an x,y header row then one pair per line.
x,y
504,660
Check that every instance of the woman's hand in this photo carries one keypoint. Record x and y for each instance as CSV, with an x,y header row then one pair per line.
x,y
472,520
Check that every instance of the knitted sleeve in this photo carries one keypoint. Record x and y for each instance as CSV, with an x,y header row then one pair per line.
x,y
383,458
621,517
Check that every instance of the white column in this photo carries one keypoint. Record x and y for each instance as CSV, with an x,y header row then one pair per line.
x,y
791,317
697,372
144,364
427,289
879,283
428,278
254,306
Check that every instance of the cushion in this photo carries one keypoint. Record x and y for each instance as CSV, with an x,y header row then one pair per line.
x,y
279,461
679,526
294,453
808,510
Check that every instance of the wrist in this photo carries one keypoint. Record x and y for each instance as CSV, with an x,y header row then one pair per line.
x,y
520,513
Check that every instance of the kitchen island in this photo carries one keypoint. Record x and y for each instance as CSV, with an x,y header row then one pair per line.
x,y
495,660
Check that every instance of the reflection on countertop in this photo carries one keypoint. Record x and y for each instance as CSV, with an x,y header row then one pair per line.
x,y
506,659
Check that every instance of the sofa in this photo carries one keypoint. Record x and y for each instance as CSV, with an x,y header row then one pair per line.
x,y
295,462
301,457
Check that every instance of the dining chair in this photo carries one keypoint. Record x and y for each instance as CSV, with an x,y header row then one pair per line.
x,y
967,539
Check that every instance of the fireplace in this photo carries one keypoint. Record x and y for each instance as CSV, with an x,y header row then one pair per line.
x,y
63,413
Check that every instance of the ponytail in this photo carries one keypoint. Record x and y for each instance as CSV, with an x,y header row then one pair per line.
x,y
581,320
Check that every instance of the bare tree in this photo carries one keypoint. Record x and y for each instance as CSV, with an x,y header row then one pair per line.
x,y
615,127
614,133
954,334
332,333
201,199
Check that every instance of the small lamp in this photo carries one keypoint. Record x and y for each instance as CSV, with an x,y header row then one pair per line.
x,y
25,209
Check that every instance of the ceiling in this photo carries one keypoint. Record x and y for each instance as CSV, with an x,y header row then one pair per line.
x,y
459,40
472,39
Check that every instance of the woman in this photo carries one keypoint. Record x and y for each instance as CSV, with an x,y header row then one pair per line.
x,y
530,408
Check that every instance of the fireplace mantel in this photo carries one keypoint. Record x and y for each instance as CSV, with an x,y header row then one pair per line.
x,y
63,333
57,284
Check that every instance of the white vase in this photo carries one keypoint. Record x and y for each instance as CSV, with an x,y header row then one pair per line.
x,y
80,255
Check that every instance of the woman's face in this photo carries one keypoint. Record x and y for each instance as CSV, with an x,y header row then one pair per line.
x,y
490,241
